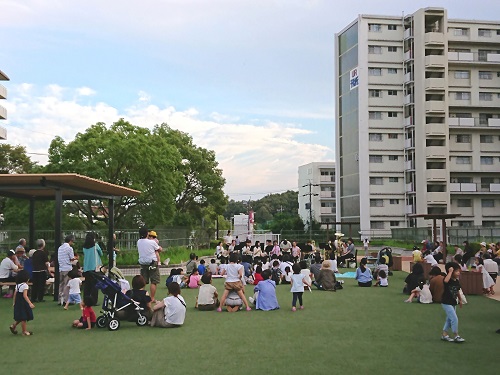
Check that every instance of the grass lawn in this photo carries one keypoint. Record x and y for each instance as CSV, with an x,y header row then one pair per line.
x,y
353,331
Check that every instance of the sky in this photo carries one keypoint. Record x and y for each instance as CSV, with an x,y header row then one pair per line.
x,y
251,80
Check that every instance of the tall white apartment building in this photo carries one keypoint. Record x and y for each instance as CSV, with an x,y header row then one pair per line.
x,y
418,121
317,188
3,111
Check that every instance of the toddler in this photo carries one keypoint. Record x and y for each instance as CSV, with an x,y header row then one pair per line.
x,y
298,281
74,289
88,318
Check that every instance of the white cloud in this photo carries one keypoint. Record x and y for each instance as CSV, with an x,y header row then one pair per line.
x,y
85,91
259,158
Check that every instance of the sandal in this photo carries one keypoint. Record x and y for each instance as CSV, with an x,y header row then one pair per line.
x,y
13,330
27,333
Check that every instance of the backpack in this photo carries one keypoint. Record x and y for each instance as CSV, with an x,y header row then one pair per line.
x,y
276,275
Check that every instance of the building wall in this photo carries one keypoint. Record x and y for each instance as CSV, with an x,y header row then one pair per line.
x,y
428,121
3,111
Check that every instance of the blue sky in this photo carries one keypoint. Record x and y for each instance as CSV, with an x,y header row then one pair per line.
x,y
252,80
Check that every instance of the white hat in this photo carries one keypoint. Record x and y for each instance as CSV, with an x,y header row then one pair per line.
x,y
483,244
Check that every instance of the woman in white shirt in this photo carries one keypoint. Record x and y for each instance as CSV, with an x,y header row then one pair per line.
x,y
170,312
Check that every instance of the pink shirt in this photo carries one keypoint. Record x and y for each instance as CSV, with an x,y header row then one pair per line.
x,y
193,281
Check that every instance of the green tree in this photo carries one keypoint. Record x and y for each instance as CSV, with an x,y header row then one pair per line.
x,y
283,221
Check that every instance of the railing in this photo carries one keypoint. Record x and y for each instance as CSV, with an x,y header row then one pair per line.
x,y
3,113
474,57
3,92
474,187
473,121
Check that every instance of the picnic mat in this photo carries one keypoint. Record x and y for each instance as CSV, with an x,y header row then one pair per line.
x,y
346,275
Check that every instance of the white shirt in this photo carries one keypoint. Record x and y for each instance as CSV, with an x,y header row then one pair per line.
x,y
490,266
233,272
283,265
333,265
206,294
147,251
74,285
6,267
430,259
213,268
175,311
383,281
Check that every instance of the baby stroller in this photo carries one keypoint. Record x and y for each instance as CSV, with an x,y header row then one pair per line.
x,y
114,301
387,253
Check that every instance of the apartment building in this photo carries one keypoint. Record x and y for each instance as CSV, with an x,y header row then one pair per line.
x,y
317,192
418,120
3,111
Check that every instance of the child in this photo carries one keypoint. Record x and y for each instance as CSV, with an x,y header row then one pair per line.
x,y
449,302
207,295
307,274
286,278
488,282
265,293
258,275
88,318
382,280
382,266
234,281
298,282
276,271
191,265
22,305
214,270
74,289
201,267
194,279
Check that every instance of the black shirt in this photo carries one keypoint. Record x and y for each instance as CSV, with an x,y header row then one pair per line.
x,y
39,259
413,280
450,293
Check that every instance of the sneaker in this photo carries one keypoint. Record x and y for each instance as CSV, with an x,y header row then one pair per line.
x,y
8,295
294,309
251,299
446,338
249,308
302,307
219,309
167,261
459,339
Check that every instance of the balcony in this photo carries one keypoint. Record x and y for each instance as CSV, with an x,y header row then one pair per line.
x,y
408,121
463,187
3,92
435,152
494,122
410,209
327,178
3,113
462,121
408,99
408,77
461,56
409,187
467,57
327,194
436,174
495,188
435,129
409,143
434,61
434,106
434,84
408,55
437,197
3,133
326,210
434,38
409,165
408,33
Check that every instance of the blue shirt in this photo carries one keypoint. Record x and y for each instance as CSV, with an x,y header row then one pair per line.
x,y
266,299
201,269
92,258
364,277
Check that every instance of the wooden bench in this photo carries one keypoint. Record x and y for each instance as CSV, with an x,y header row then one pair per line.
x,y
8,284
471,282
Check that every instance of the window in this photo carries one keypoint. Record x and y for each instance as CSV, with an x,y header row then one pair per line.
x,y
487,203
392,114
465,223
376,159
374,27
395,27
376,181
498,32
374,71
394,223
487,160
375,50
393,136
393,157
463,160
392,49
375,93
461,32
484,33
375,115
464,202
375,137
394,201
462,95
377,224
461,115
393,179
486,96
392,71
485,75
462,74
376,203
485,138
489,223
463,138
327,204
392,92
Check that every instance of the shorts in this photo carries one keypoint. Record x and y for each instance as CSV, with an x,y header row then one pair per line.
x,y
85,325
150,274
235,285
74,298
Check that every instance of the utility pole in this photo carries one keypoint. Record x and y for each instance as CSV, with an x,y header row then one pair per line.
x,y
310,184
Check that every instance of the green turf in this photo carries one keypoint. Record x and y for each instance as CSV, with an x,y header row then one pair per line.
x,y
353,331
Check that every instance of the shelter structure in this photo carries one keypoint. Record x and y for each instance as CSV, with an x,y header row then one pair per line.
x,y
60,187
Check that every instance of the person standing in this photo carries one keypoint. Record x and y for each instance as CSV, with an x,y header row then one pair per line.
x,y
40,271
366,243
451,297
92,254
149,259
65,255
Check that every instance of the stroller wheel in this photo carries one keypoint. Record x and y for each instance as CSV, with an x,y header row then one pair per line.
x,y
101,322
113,324
141,321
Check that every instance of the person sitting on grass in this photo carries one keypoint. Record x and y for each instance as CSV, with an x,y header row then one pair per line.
x,y
139,294
326,279
171,311
234,272
214,269
207,295
257,275
364,274
286,278
88,318
265,293
414,279
233,302
382,266
382,279
194,279
201,267
422,293
191,264
436,284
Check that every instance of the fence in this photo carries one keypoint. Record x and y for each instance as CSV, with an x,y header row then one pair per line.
x,y
455,235
126,239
